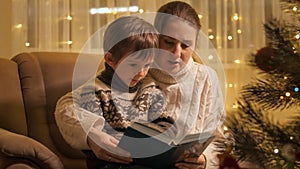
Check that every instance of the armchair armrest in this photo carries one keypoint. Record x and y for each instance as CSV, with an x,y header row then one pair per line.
x,y
16,148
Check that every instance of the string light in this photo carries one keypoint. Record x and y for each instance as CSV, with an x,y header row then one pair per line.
x,y
69,17
281,97
287,94
19,26
27,44
276,150
234,106
295,8
235,17
297,36
69,42
239,31
237,61
106,10
296,89
229,37
211,37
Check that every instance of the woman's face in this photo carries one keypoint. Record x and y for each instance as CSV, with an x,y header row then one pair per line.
x,y
133,68
178,39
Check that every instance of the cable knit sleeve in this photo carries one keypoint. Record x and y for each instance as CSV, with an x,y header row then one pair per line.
x,y
214,116
74,121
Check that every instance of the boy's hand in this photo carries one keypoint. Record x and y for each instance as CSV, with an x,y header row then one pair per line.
x,y
105,147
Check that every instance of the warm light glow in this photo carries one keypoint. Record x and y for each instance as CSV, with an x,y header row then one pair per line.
x,y
285,77
225,128
230,85
295,8
69,42
234,106
141,10
237,61
107,10
276,150
281,97
287,94
69,18
200,16
19,26
211,37
239,31
27,44
229,37
297,36
291,138
235,17
210,57
133,9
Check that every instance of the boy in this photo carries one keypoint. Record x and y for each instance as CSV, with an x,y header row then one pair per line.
x,y
95,115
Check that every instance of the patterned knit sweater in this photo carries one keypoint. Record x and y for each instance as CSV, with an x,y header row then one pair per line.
x,y
95,104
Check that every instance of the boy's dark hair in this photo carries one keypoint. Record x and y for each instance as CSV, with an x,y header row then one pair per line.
x,y
127,35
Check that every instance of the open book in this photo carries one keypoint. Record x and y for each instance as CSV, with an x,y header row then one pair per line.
x,y
153,146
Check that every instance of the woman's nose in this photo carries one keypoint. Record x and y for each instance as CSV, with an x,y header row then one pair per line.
x,y
177,49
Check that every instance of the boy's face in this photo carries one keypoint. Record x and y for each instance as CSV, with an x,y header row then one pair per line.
x,y
133,68
178,40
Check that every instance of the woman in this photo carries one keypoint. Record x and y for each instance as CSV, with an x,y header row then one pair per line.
x,y
192,90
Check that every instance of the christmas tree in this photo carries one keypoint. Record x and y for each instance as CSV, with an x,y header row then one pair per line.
x,y
256,137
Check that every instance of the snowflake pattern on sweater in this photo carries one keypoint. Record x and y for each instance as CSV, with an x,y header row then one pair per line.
x,y
119,112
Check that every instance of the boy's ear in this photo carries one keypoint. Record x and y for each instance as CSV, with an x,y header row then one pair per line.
x,y
109,59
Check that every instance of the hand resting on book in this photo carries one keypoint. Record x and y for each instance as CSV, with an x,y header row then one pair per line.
x,y
106,148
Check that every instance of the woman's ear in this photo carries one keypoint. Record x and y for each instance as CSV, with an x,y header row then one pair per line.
x,y
108,58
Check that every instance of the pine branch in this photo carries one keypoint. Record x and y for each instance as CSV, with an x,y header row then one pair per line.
x,y
292,7
272,93
257,139
261,141
281,36
285,48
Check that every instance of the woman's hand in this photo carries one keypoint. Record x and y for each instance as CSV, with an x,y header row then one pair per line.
x,y
192,163
105,147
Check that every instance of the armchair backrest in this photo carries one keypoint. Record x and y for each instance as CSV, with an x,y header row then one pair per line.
x,y
45,77
12,112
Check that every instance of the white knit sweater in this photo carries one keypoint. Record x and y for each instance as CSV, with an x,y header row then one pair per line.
x,y
194,94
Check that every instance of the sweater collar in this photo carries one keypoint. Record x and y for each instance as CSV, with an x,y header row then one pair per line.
x,y
164,77
108,75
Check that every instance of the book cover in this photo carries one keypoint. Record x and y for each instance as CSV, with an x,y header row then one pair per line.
x,y
149,145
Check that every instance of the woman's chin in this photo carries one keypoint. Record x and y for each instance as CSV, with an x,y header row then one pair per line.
x,y
173,69
170,68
